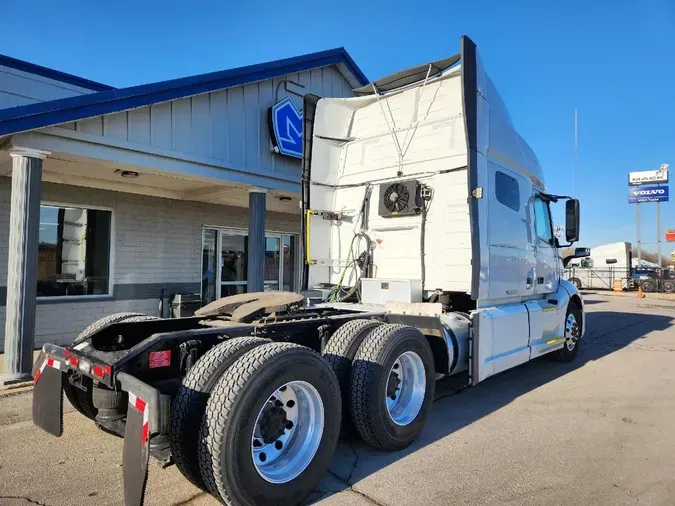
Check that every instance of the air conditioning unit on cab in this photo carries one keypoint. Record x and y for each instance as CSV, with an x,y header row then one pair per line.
x,y
399,198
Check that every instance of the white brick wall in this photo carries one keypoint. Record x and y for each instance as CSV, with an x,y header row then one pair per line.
x,y
155,241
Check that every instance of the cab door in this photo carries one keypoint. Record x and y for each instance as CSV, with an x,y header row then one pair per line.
x,y
546,271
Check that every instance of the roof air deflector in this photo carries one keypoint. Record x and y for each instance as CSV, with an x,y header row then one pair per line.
x,y
408,77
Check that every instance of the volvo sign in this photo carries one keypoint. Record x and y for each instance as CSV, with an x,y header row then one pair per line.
x,y
648,194
649,176
285,122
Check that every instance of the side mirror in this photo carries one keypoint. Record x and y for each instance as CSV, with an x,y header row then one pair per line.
x,y
611,261
572,220
578,253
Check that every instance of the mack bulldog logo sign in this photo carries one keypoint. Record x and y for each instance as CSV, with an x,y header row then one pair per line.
x,y
285,122
649,176
648,194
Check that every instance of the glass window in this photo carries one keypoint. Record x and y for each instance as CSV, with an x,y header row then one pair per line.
x,y
542,221
507,191
73,252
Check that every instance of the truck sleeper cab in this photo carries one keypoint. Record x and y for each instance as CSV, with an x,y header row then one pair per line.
x,y
428,239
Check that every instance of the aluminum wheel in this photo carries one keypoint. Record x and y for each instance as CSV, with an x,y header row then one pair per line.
x,y
406,388
287,432
571,331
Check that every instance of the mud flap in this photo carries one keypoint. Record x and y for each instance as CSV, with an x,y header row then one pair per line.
x,y
48,395
136,451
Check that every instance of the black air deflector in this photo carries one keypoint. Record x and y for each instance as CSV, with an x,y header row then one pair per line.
x,y
310,102
399,198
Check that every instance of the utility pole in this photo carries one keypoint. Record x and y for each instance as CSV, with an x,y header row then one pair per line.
x,y
576,150
639,245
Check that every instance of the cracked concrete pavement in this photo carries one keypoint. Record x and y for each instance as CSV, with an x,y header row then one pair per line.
x,y
597,431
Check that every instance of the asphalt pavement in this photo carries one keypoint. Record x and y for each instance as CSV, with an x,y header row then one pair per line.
x,y
597,431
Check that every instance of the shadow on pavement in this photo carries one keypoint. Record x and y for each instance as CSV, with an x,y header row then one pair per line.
x,y
607,332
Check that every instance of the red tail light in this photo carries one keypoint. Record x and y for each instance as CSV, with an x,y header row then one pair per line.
x,y
73,361
98,371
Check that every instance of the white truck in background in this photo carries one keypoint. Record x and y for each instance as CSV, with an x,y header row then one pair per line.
x,y
605,264
427,227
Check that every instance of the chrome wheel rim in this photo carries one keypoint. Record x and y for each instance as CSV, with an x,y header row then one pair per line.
x,y
406,386
571,332
287,432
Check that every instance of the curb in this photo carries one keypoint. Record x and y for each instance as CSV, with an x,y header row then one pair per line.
x,y
631,295
16,388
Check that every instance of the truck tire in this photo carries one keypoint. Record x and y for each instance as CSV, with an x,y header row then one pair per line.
x,y
669,286
102,322
271,426
190,402
648,285
340,352
392,386
572,332
83,401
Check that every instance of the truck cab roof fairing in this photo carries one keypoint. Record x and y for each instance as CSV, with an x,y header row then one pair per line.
x,y
408,76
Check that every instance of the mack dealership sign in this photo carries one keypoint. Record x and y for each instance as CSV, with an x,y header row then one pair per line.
x,y
648,194
649,176
285,122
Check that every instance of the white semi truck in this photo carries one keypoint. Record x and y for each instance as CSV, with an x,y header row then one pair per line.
x,y
427,228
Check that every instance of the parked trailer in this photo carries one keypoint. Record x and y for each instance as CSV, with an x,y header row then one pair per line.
x,y
440,259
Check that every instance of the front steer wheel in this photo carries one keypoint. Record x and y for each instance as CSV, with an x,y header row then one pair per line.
x,y
572,335
393,380
271,427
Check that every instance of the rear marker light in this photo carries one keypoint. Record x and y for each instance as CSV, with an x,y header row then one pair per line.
x,y
73,361
108,370
97,371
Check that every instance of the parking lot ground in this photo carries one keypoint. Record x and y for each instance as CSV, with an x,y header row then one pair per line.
x,y
597,431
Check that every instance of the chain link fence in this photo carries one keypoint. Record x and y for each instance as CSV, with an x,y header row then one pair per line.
x,y
651,280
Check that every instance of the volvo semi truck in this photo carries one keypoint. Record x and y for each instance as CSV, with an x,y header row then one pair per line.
x,y
428,251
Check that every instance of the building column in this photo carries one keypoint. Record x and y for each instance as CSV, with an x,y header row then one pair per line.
x,y
256,239
24,229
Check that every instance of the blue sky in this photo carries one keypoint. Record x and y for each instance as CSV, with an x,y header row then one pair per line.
x,y
613,60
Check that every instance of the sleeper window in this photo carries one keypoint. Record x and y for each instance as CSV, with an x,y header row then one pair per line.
x,y
507,191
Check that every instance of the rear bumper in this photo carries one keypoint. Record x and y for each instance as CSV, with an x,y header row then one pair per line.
x,y
146,414
141,395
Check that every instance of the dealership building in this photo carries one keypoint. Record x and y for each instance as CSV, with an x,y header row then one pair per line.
x,y
112,197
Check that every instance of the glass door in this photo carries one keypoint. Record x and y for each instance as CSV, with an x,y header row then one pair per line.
x,y
209,265
225,262
234,263
272,262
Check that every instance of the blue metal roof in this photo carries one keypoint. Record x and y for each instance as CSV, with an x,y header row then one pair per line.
x,y
54,112
31,68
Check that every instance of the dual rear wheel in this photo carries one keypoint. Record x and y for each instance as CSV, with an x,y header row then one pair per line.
x,y
256,422
387,378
